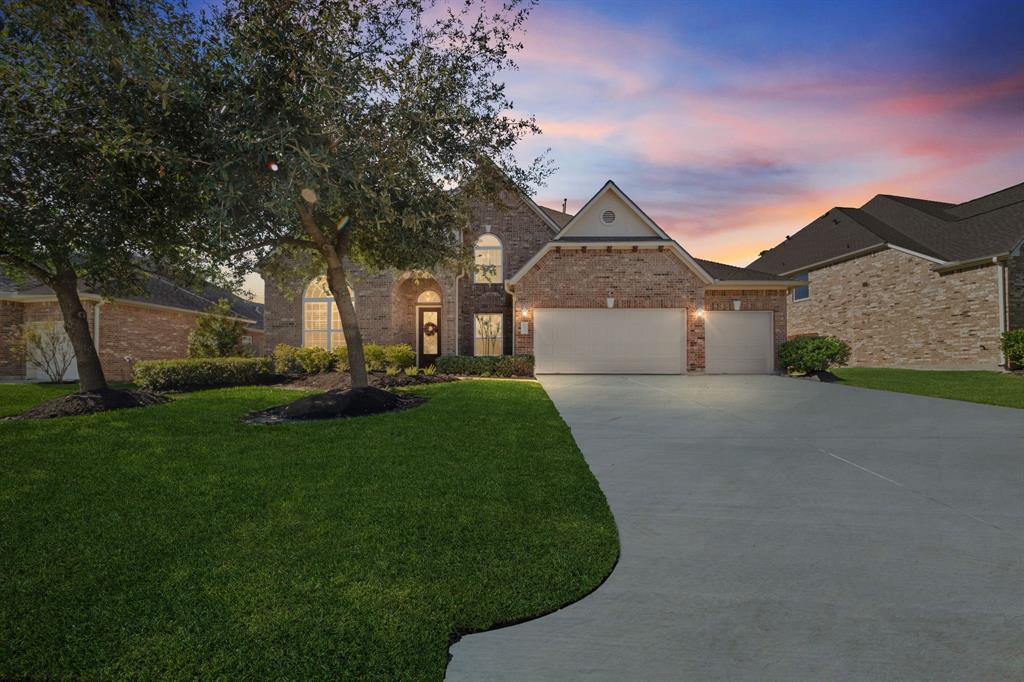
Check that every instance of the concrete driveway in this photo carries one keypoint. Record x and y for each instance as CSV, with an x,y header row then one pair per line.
x,y
777,529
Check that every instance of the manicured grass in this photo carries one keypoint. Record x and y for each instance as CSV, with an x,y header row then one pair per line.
x,y
177,542
16,398
992,388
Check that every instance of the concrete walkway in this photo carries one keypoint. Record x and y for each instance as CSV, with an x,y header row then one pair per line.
x,y
777,529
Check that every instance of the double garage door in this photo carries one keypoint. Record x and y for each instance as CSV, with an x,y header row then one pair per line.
x,y
648,341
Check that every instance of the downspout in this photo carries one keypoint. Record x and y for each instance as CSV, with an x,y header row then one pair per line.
x,y
511,292
96,325
1001,288
458,312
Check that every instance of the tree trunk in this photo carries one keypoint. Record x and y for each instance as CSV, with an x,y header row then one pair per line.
x,y
76,324
338,284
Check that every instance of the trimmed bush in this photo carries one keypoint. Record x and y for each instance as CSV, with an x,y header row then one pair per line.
x,y
486,366
315,360
197,373
400,355
807,354
1013,348
375,356
340,358
286,360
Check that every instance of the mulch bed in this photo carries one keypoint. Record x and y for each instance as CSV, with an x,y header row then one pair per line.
x,y
336,404
824,377
92,402
327,381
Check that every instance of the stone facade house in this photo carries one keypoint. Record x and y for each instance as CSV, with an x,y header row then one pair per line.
x,y
908,282
153,325
603,291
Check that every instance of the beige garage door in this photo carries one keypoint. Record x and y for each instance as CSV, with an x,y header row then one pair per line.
x,y
738,342
609,341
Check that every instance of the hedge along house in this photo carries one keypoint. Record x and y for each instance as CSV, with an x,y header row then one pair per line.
x,y
909,282
153,325
605,291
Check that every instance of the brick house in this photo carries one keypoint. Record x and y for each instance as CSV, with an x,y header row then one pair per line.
x,y
153,325
908,282
603,291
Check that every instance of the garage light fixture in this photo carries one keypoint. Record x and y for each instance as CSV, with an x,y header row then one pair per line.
x,y
737,304
525,313
611,302
700,312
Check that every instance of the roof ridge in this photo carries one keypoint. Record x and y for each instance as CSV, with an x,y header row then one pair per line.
x,y
990,194
997,208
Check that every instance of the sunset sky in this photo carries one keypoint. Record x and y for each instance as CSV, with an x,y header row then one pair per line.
x,y
734,124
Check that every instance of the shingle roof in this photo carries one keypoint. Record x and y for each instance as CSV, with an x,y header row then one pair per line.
x,y
735,273
561,219
159,290
989,225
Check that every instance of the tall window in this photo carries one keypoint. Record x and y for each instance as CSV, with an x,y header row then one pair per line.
x,y
800,293
321,321
487,255
487,339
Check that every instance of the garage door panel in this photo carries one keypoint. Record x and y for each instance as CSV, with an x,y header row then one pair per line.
x,y
739,342
609,341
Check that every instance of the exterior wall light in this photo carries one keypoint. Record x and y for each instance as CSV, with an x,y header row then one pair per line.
x,y
611,302
525,313
737,304
700,312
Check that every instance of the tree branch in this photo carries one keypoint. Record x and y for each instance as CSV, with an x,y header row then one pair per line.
x,y
28,266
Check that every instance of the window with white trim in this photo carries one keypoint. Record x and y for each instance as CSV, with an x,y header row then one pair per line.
x,y
487,336
800,293
487,256
321,321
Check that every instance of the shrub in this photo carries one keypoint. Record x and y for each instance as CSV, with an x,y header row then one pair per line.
x,y
286,360
807,354
315,360
197,373
400,355
497,365
1013,348
217,333
340,358
430,371
392,372
46,346
375,356
411,371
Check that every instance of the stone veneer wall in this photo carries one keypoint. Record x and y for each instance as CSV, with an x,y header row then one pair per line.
x,y
895,311
645,278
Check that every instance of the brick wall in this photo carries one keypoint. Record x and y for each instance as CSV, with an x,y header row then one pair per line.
x,y
522,234
12,362
894,311
1015,291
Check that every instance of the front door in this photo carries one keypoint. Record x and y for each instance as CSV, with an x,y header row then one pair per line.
x,y
429,344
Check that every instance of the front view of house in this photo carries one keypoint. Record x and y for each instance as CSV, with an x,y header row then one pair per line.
x,y
605,291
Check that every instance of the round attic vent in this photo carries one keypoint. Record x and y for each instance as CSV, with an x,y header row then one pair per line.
x,y
608,217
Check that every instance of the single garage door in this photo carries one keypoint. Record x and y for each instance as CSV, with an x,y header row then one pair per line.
x,y
609,340
738,342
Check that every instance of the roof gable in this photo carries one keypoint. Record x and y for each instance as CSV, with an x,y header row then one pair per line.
x,y
611,214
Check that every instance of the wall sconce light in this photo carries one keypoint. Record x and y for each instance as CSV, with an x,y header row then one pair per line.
x,y
737,304
700,312
611,302
525,313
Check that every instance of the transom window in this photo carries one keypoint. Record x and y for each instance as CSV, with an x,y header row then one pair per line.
x,y
487,257
429,297
321,321
800,293
487,337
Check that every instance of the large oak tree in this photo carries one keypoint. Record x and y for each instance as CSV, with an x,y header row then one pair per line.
x,y
101,110
359,132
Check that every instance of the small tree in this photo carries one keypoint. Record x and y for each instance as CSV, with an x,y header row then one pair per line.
x,y
99,153
46,346
359,133
218,333
1013,348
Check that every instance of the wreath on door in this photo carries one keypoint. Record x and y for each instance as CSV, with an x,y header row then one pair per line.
x,y
429,329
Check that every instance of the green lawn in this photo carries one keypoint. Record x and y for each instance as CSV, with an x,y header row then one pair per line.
x,y
16,398
992,388
177,542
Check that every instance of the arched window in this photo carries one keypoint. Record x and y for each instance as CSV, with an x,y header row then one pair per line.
x,y
487,255
429,296
321,321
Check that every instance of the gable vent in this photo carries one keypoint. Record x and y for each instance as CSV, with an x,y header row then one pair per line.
x,y
608,217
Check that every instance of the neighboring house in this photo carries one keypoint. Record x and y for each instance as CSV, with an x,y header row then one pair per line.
x,y
153,325
604,291
908,282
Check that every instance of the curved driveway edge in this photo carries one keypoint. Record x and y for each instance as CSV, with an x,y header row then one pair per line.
x,y
776,529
